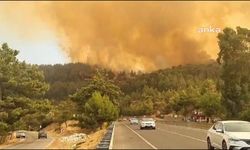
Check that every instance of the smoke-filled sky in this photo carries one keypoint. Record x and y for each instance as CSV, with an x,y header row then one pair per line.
x,y
119,35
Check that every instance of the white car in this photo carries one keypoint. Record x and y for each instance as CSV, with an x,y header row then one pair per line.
x,y
147,123
134,121
229,135
20,134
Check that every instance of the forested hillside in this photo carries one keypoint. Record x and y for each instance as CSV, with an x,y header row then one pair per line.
x,y
32,96
22,89
136,87
174,78
65,79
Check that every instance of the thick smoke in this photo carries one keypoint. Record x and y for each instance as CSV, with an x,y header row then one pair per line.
x,y
138,35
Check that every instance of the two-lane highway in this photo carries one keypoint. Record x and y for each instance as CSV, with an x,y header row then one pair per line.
x,y
165,136
32,142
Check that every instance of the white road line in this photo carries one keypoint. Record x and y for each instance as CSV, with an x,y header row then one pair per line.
x,y
112,138
151,145
183,135
52,140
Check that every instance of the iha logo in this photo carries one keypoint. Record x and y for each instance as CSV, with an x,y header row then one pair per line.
x,y
209,29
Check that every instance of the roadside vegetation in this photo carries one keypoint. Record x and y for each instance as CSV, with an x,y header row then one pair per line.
x,y
32,95
22,88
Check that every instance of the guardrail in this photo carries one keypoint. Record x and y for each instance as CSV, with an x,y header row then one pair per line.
x,y
107,140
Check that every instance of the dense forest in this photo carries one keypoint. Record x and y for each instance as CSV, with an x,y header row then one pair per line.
x,y
66,79
32,95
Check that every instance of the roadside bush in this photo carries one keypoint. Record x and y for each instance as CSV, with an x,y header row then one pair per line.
x,y
142,108
3,128
20,125
64,111
210,104
98,109
245,115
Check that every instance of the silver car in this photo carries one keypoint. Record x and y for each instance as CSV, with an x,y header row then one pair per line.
x,y
20,134
134,121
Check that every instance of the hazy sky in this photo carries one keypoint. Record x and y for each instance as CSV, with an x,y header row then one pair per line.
x,y
23,29
119,35
35,52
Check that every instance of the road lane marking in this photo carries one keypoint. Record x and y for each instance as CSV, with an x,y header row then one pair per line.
x,y
52,140
151,145
112,138
183,135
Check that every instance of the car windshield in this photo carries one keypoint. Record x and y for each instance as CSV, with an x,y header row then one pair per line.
x,y
20,131
147,119
237,127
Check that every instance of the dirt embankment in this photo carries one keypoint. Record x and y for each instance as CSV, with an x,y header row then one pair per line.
x,y
8,140
69,136
93,139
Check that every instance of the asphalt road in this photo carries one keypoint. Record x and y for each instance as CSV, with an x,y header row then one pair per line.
x,y
165,136
32,142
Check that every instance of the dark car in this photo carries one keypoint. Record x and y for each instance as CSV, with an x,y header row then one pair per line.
x,y
42,134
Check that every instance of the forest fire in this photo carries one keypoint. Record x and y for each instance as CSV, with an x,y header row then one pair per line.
x,y
145,35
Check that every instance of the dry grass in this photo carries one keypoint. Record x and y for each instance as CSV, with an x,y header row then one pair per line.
x,y
94,137
57,144
11,140
93,140
58,131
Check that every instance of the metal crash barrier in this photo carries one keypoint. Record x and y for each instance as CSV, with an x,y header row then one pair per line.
x,y
107,140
